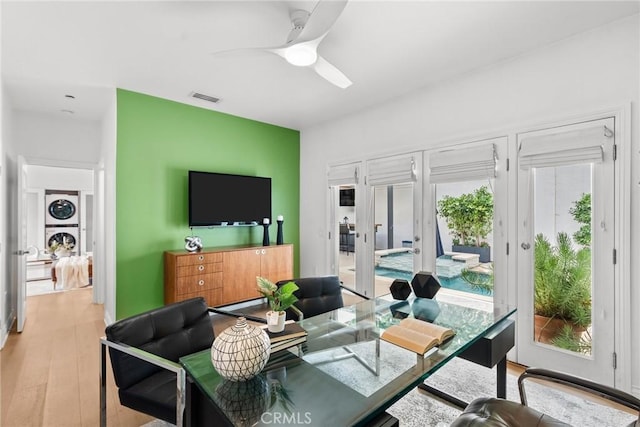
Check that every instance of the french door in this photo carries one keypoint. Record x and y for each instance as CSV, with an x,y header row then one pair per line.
x,y
393,224
566,237
344,200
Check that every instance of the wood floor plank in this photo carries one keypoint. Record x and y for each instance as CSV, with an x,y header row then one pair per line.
x,y
50,371
26,407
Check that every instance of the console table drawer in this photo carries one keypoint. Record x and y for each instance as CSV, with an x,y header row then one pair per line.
x,y
193,259
198,282
191,270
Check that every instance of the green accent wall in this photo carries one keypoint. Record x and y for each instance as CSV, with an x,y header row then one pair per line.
x,y
158,142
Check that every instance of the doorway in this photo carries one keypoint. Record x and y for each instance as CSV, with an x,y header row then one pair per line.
x,y
59,218
566,238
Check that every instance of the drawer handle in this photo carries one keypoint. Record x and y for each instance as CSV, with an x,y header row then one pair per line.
x,y
201,257
201,267
201,282
257,252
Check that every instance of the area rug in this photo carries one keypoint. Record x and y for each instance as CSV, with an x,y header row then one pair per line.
x,y
467,381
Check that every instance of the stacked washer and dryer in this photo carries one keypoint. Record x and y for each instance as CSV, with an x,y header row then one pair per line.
x,y
62,218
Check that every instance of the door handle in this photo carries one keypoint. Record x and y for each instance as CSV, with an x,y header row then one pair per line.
x,y
21,252
525,246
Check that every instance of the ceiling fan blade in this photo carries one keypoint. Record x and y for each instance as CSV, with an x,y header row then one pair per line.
x,y
331,73
321,20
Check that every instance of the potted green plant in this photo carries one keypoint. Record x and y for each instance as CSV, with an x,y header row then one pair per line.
x,y
562,290
469,218
61,249
279,298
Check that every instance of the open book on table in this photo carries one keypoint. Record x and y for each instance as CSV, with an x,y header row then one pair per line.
x,y
417,335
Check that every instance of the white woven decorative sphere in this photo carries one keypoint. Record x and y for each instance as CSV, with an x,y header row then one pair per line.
x,y
240,352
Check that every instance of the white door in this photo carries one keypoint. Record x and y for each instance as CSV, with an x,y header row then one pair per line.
x,y
344,193
566,256
21,260
393,226
86,222
469,185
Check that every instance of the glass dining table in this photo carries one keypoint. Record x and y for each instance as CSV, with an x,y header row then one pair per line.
x,y
344,374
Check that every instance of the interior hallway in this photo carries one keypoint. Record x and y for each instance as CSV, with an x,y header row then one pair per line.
x,y
50,372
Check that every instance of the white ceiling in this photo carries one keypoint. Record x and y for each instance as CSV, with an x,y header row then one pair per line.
x,y
162,48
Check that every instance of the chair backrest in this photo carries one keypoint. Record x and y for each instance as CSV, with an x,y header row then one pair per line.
x,y
316,295
171,332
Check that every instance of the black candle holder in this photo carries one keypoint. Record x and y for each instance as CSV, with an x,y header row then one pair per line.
x,y
280,238
265,236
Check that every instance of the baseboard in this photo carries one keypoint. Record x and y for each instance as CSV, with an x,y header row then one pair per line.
x,y
635,390
4,334
107,318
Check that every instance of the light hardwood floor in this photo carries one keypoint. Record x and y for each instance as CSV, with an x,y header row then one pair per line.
x,y
50,372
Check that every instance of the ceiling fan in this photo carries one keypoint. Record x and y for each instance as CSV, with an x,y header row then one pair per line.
x,y
309,29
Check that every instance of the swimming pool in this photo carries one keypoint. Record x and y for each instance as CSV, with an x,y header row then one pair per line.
x,y
400,266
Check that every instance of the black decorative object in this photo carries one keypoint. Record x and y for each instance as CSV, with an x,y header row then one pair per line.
x,y
400,289
280,238
265,235
425,285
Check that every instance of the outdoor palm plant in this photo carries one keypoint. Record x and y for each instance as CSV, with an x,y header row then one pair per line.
x,y
563,286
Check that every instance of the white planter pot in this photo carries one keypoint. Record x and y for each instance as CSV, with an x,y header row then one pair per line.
x,y
275,321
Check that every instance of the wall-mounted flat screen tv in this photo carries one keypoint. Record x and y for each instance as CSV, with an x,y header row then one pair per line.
x,y
348,197
225,199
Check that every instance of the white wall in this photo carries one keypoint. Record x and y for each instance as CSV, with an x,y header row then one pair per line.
x,y
54,178
586,73
56,137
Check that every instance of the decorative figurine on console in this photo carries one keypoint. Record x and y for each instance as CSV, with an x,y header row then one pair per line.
x,y
193,243
265,235
280,238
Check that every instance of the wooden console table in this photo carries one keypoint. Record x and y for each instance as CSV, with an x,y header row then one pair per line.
x,y
224,275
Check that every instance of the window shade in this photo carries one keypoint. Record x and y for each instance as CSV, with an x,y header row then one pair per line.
x,y
391,170
343,174
564,148
463,164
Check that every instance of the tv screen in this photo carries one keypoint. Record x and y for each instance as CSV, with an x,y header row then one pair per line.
x,y
224,199
348,197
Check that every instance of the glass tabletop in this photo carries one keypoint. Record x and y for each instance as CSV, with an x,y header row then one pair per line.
x,y
345,375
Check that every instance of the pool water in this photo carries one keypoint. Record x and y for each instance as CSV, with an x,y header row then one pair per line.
x,y
400,266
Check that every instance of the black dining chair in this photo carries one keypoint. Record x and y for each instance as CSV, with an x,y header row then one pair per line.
x,y
316,295
506,413
144,350
320,295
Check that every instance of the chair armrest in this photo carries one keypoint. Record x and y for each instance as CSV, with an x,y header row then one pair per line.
x,y
147,357
354,292
237,315
143,355
582,384
298,312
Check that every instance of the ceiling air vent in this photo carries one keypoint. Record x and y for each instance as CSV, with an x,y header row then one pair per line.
x,y
205,97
